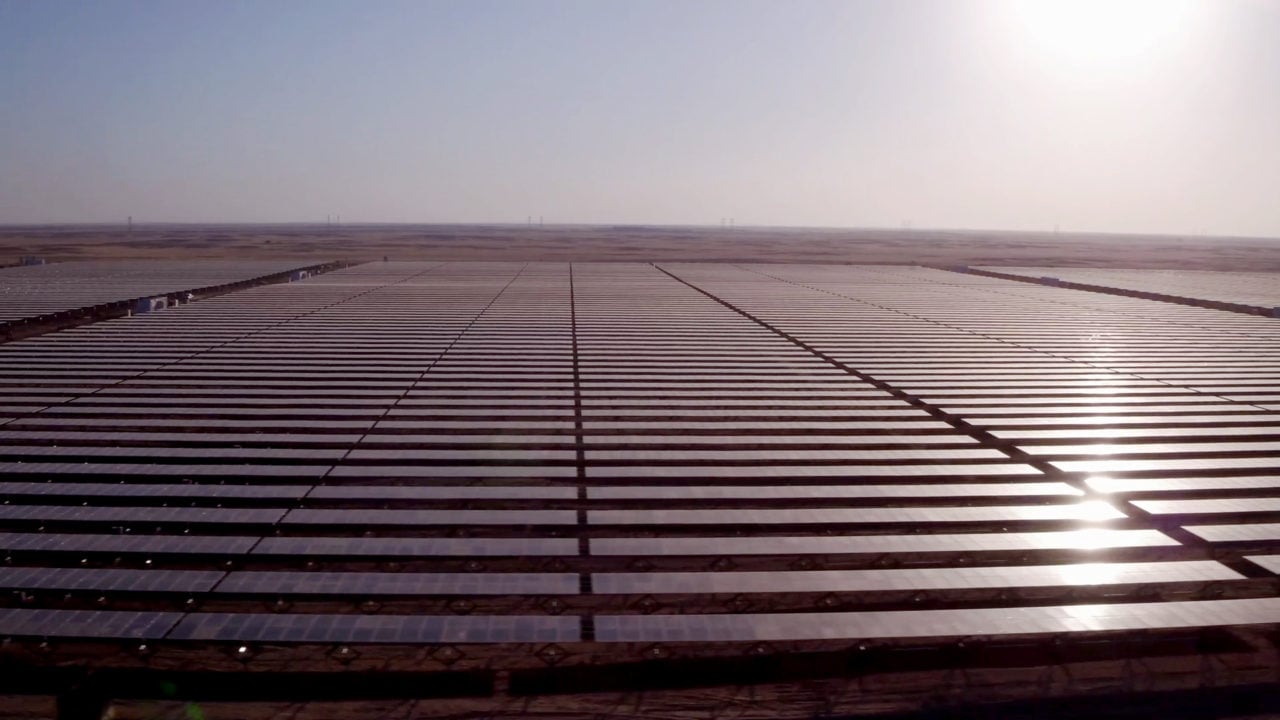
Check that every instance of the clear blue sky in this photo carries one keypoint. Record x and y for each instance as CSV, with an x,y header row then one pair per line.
x,y
1020,114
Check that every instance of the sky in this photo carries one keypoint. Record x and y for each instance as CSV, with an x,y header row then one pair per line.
x,y
1133,116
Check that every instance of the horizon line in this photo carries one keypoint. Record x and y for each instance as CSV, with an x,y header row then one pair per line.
x,y
497,224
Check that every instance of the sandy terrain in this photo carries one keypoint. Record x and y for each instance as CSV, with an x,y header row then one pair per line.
x,y
628,242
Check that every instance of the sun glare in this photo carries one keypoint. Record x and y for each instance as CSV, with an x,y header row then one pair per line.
x,y
1101,31
1090,573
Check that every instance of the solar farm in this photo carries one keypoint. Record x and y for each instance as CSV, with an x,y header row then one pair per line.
x,y
41,297
507,484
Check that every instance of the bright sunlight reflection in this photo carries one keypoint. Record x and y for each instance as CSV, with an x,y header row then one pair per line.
x,y
1090,573
1101,483
1094,538
1102,31
1097,510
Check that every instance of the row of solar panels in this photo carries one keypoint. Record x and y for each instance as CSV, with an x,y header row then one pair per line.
x,y
391,547
1257,289
1059,512
35,290
723,627
373,584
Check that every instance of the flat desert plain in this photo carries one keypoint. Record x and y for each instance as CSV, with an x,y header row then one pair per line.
x,y
637,243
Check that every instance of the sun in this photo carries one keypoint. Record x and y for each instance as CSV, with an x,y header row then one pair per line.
x,y
1101,31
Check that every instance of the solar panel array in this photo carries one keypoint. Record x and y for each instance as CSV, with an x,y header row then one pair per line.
x,y
606,456
1258,289
31,291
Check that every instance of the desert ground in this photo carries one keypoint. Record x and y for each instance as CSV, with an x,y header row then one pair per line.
x,y
636,242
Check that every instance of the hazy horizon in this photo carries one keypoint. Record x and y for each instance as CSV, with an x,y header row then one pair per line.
x,y
1130,117
120,225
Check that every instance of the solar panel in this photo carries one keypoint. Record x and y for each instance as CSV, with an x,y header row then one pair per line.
x,y
440,492
1180,484
90,451
748,414
308,628
764,492
429,517
1171,418
108,579
1091,510
783,581
336,424
137,469
454,471
455,438
969,622
417,547
487,424
1207,463
781,443
738,424
1117,433
792,455
86,623
69,513
1153,448
1212,506
1271,563
150,544
74,489
179,437
1251,532
486,454
1090,539
834,471
370,583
